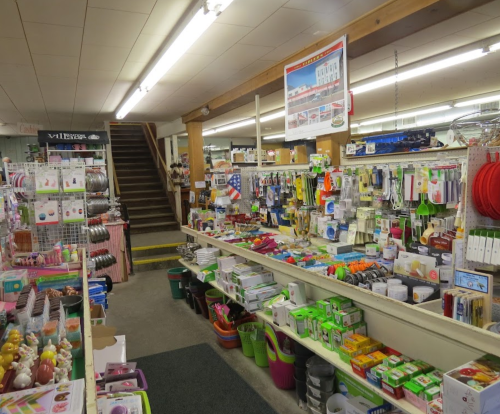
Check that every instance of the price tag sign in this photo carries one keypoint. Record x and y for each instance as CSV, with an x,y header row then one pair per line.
x,y
370,148
350,149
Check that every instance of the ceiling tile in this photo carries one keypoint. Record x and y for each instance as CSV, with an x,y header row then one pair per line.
x,y
219,38
252,70
281,27
134,6
17,73
489,9
104,75
145,48
116,95
165,15
290,47
161,92
483,30
5,102
14,51
240,56
131,71
448,27
59,66
189,65
62,12
318,6
58,94
47,39
112,28
10,116
103,57
211,75
10,22
249,13
374,56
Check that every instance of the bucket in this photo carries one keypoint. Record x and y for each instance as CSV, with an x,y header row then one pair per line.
x,y
245,330
300,373
336,402
228,339
202,304
212,297
175,278
189,297
280,364
301,390
260,351
185,279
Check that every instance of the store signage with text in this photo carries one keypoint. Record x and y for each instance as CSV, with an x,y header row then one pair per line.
x,y
78,137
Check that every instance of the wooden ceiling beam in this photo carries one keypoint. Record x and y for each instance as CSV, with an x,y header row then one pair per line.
x,y
384,25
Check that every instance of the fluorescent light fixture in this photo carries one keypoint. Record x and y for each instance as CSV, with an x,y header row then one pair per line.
x,y
200,22
422,70
208,132
130,103
478,101
407,115
277,115
494,47
354,125
235,125
274,136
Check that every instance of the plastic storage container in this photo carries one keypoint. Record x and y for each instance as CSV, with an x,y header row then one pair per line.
x,y
202,304
314,392
336,402
316,404
280,364
259,349
175,278
300,372
301,390
245,330
212,297
321,374
228,339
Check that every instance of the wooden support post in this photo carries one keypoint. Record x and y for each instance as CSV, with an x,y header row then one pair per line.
x,y
196,159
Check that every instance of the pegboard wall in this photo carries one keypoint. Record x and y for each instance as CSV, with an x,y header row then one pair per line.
x,y
477,157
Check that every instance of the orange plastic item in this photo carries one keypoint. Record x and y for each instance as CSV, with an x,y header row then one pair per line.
x,y
50,328
228,339
72,324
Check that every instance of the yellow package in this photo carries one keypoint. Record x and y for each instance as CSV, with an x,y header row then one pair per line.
x,y
372,347
377,356
349,350
357,341
363,361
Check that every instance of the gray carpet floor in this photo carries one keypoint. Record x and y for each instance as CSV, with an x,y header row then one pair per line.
x,y
197,380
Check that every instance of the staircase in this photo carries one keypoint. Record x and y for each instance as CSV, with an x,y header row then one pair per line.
x,y
140,185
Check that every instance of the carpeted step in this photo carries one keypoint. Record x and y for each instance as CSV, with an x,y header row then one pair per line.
x,y
139,202
150,218
149,184
162,261
142,194
127,172
138,179
154,227
150,209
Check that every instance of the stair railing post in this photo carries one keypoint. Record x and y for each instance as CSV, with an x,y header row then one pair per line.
x,y
109,161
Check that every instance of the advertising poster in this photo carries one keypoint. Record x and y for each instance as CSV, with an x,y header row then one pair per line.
x,y
316,93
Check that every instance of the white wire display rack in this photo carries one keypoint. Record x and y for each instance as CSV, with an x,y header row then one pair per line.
x,y
62,228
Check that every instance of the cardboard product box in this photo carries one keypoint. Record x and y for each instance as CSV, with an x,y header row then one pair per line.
x,y
279,313
300,156
107,347
340,303
239,157
291,307
358,405
253,279
338,248
261,292
357,341
327,145
298,322
12,283
297,293
282,156
324,308
97,315
348,316
254,306
230,288
435,407
458,395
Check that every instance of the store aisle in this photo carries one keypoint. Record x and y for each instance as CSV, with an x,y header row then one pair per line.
x,y
153,322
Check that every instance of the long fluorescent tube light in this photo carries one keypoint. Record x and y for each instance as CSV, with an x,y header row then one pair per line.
x,y
404,116
478,101
422,70
354,125
200,22
235,125
274,136
277,115
494,47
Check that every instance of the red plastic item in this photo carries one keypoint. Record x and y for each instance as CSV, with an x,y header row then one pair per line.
x,y
359,371
395,392
228,339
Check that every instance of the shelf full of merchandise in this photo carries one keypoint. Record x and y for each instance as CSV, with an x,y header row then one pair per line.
x,y
315,347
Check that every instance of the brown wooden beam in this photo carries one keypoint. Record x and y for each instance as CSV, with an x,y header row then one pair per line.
x,y
196,158
392,21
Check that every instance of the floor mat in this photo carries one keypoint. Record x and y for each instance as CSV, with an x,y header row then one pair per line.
x,y
197,380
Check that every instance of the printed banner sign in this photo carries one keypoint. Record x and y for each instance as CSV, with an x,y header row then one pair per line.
x,y
77,137
316,93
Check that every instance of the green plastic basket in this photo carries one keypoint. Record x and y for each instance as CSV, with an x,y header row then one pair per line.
x,y
146,409
259,349
245,330
212,312
214,295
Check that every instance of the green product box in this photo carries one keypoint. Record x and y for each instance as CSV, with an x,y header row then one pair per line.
x,y
347,317
312,324
415,389
298,322
424,381
340,303
348,385
411,369
344,357
324,308
378,371
361,328
320,320
395,377
436,376
432,393
424,366
339,333
327,335
393,361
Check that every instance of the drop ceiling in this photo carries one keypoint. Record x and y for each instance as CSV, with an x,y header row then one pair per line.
x,y
67,64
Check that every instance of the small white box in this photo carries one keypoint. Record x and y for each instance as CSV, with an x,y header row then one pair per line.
x,y
261,292
291,307
338,248
279,313
253,279
297,293
358,405
230,288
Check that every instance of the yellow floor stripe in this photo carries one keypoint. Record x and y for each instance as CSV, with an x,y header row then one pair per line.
x,y
157,260
158,246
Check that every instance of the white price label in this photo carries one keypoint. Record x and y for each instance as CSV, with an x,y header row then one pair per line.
x,y
350,149
370,148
